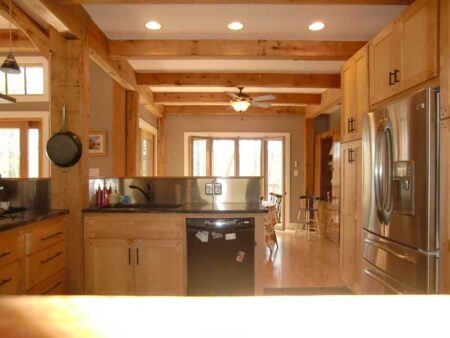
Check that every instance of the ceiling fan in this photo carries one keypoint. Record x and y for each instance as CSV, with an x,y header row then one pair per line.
x,y
241,101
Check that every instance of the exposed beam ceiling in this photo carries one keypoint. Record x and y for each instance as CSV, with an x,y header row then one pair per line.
x,y
224,99
292,50
248,2
221,110
330,99
31,29
239,79
20,41
75,21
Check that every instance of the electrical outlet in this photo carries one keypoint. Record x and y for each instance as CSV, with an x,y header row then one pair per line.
x,y
209,189
217,188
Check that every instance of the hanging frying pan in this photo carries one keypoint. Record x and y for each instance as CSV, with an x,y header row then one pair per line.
x,y
64,148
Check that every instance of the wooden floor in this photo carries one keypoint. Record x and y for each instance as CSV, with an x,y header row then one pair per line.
x,y
300,263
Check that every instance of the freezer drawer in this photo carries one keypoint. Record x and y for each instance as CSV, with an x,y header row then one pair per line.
x,y
410,271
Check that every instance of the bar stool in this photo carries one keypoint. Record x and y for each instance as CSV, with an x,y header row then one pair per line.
x,y
308,214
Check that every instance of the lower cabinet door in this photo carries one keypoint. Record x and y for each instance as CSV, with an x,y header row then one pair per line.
x,y
159,267
54,285
10,279
109,267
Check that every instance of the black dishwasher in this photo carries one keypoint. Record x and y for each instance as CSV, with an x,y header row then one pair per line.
x,y
221,260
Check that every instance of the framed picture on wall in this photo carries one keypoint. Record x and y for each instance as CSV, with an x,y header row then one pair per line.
x,y
97,143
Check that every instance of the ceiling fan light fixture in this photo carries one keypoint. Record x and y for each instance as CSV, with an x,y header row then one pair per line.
x,y
235,26
316,26
240,105
10,65
153,25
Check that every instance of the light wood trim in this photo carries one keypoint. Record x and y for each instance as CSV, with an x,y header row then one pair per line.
x,y
260,49
444,57
309,156
224,99
54,285
23,149
132,106
43,264
161,147
31,29
330,98
119,130
240,79
20,41
222,110
47,233
247,2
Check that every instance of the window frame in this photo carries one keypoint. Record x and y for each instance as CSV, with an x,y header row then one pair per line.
x,y
145,128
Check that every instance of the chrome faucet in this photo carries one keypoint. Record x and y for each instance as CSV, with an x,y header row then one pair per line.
x,y
1,185
149,196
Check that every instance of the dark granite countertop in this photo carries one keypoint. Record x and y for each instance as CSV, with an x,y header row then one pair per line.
x,y
236,208
21,218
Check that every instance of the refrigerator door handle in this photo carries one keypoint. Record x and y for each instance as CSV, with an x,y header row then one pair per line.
x,y
389,250
372,274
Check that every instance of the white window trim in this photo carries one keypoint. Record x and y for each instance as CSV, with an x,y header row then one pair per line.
x,y
44,116
287,157
29,61
149,128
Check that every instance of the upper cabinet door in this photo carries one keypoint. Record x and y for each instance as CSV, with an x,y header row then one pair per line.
x,y
348,99
361,89
419,32
385,61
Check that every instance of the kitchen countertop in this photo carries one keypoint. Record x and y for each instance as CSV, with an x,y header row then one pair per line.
x,y
344,316
21,218
235,208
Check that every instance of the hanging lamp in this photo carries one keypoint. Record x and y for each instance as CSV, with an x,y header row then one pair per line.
x,y
10,65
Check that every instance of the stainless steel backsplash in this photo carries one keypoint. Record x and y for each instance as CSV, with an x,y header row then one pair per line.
x,y
184,190
26,193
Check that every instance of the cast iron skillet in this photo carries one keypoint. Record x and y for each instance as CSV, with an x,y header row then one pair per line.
x,y
64,148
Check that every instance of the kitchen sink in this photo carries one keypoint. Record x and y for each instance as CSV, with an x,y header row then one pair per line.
x,y
154,206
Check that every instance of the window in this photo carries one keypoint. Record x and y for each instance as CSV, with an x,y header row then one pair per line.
x,y
20,152
29,82
226,157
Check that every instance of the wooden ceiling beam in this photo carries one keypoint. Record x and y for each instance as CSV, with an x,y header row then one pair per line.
x,y
32,30
75,21
330,99
240,79
222,110
246,2
241,49
224,99
20,41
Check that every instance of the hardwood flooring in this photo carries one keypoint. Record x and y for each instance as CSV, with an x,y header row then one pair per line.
x,y
300,263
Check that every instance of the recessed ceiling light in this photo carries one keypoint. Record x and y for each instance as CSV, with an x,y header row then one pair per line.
x,y
153,25
235,26
316,26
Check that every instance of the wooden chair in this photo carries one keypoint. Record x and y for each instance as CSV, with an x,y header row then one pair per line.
x,y
276,200
308,214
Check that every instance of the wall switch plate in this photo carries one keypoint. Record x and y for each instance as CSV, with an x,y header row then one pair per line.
x,y
295,172
208,189
217,188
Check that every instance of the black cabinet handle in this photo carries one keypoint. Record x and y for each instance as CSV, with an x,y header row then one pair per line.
x,y
137,256
5,281
350,155
52,288
5,254
352,128
348,126
396,73
51,236
52,257
391,78
129,256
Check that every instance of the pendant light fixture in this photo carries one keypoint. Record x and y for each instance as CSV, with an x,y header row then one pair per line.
x,y
10,65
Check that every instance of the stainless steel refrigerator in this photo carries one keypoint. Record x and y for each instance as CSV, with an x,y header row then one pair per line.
x,y
400,198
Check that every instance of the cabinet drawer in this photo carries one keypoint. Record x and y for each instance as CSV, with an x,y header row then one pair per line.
x,y
44,234
43,264
127,227
10,279
54,285
11,247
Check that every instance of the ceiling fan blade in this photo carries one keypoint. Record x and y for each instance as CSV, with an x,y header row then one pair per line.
x,y
263,98
260,104
233,95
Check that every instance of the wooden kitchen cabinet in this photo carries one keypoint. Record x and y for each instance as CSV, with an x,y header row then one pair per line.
x,y
109,267
405,53
10,279
140,254
355,101
350,222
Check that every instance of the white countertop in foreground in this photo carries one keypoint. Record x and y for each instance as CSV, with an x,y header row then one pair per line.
x,y
275,317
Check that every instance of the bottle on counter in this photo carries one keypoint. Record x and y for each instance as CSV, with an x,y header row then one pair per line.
x,y
98,197
105,196
114,198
